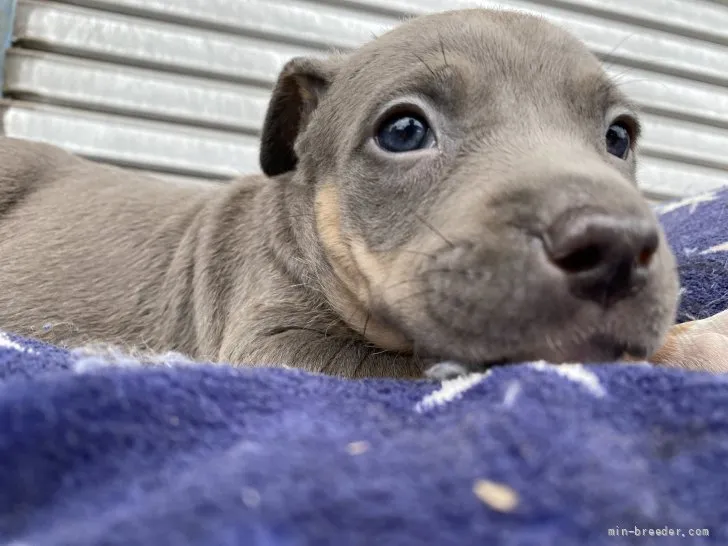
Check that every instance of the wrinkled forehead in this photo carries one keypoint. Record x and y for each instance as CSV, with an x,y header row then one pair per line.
x,y
472,52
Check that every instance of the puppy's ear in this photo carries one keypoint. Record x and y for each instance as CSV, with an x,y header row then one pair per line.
x,y
300,87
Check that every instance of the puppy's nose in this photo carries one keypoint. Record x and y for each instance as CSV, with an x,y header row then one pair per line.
x,y
605,257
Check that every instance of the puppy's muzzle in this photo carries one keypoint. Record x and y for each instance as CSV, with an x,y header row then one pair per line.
x,y
581,282
603,257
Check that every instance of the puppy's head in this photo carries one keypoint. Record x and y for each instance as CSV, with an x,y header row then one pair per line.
x,y
474,174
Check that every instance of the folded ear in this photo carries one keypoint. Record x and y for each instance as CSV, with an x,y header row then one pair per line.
x,y
300,87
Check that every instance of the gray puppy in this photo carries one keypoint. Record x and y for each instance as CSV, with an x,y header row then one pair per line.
x,y
460,189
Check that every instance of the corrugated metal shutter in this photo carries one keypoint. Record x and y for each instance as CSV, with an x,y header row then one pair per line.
x,y
180,86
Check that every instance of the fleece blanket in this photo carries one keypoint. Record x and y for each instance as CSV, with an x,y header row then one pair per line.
x,y
116,453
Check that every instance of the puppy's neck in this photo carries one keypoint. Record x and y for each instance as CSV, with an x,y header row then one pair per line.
x,y
317,254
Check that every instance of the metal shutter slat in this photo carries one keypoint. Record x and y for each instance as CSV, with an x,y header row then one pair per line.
x,y
673,178
697,18
302,23
163,46
134,91
671,96
133,142
686,141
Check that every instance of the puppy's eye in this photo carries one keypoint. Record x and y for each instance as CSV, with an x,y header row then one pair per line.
x,y
403,133
618,140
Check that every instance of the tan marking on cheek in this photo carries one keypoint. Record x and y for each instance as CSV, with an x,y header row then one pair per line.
x,y
338,250
372,265
356,270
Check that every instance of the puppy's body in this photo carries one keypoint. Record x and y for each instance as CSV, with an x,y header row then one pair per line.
x,y
510,232
212,272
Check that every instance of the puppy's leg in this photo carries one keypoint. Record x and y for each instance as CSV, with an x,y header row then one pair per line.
x,y
319,353
700,345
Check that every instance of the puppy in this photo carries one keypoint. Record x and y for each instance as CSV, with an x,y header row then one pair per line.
x,y
460,189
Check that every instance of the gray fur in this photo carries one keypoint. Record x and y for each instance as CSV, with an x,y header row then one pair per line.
x,y
340,259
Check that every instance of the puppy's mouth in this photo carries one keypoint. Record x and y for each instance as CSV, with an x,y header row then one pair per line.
x,y
597,349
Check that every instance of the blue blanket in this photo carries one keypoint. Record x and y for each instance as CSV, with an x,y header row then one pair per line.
x,y
531,454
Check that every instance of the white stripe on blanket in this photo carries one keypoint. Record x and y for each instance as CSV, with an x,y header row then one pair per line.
x,y
450,390
573,372
693,201
8,343
723,247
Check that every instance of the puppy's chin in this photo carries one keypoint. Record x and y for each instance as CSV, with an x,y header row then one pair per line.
x,y
618,335
599,349
444,368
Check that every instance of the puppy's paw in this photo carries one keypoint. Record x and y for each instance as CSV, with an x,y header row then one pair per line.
x,y
700,345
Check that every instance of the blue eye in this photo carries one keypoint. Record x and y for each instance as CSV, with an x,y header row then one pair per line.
x,y
403,133
618,140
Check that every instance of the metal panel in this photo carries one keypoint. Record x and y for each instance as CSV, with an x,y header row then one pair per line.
x,y
685,141
192,78
144,93
668,178
324,25
109,87
295,22
131,41
702,19
137,143
674,97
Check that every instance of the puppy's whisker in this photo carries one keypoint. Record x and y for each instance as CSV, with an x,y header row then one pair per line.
x,y
420,276
361,363
615,77
399,284
406,250
411,296
611,53
331,324
434,230
442,49
419,253
283,329
366,323
427,66
404,282
332,360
